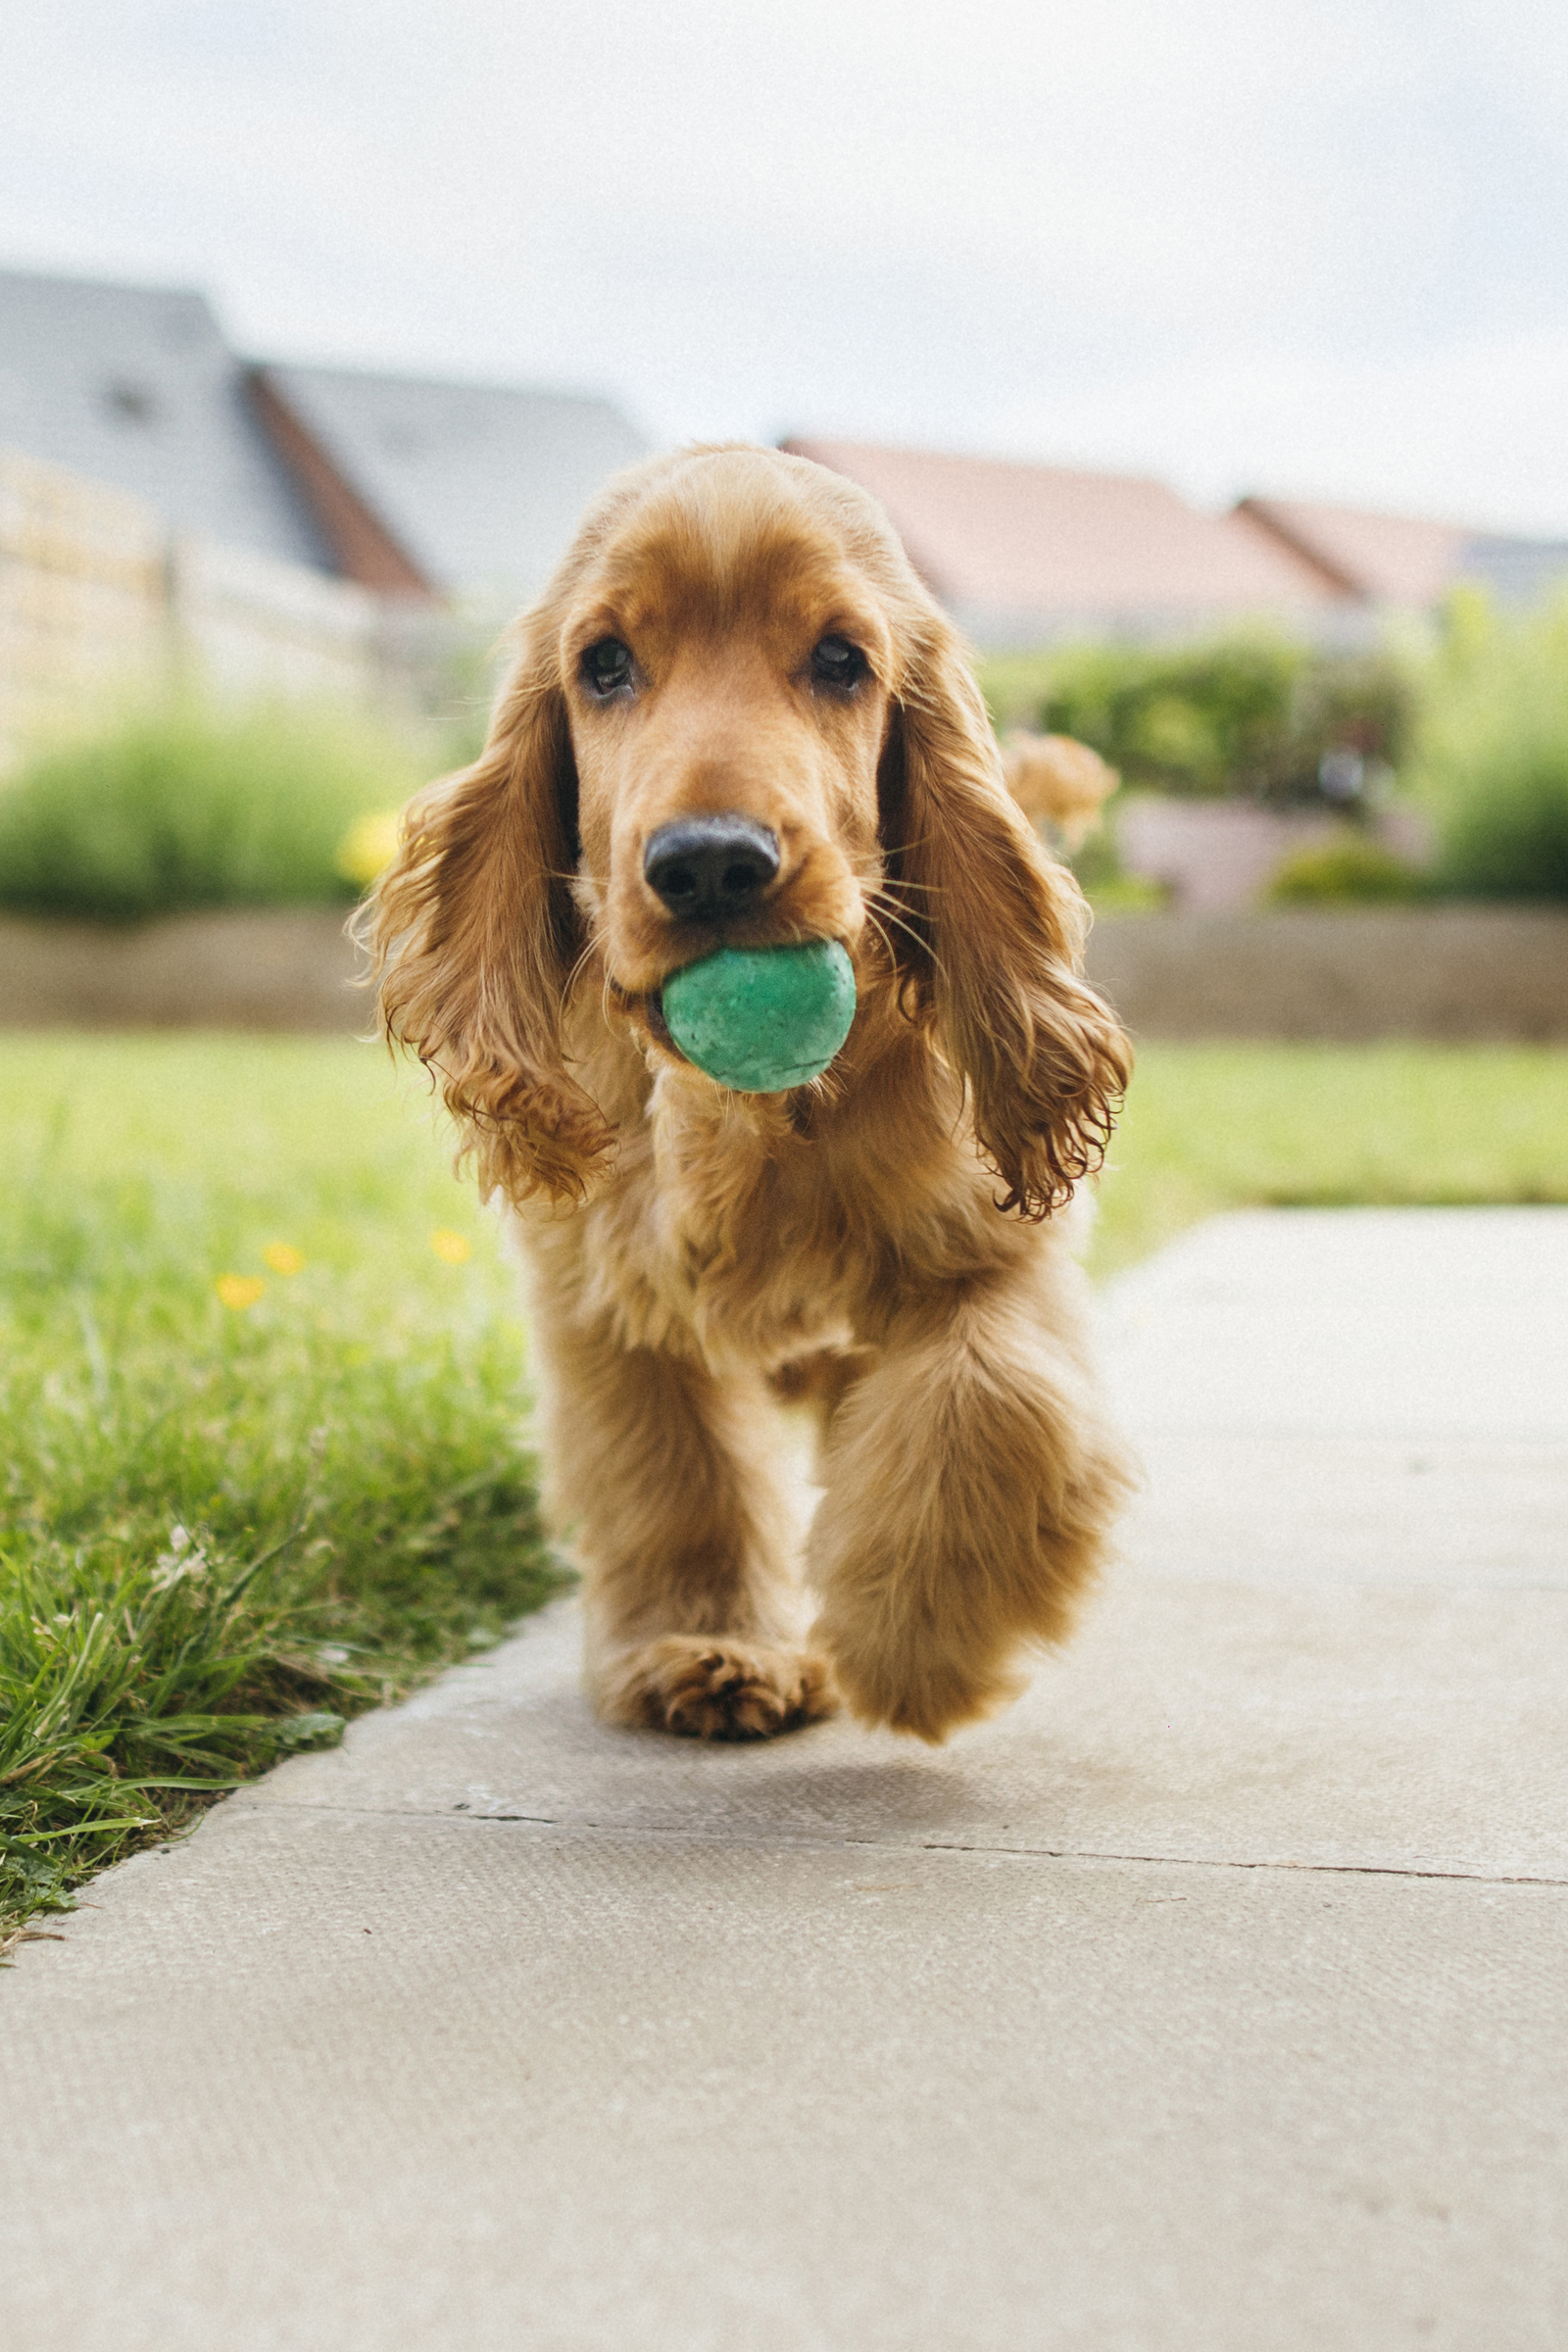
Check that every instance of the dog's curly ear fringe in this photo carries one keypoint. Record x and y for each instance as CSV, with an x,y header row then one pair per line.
x,y
1002,929
472,933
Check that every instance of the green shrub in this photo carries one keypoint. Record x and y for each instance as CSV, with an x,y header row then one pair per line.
x,y
1248,713
185,806
1492,753
1128,894
1203,719
1515,846
1353,868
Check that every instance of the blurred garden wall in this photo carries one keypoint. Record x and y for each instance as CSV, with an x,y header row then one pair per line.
x,y
100,602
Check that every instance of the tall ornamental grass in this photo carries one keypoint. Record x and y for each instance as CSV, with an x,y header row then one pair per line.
x,y
1491,757
185,805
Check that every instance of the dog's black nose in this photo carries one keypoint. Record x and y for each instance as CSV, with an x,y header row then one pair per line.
x,y
706,867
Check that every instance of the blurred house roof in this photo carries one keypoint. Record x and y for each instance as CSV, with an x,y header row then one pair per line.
x,y
402,484
1403,560
1017,552
481,487
1388,559
136,386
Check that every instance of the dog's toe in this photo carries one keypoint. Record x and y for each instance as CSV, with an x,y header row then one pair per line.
x,y
717,1688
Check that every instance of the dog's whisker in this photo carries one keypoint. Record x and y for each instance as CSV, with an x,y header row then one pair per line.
x,y
877,878
875,923
887,944
892,916
924,945
585,958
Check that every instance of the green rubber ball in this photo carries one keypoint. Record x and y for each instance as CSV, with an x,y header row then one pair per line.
x,y
762,1019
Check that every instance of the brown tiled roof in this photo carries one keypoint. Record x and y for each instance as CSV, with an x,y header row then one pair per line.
x,y
1384,558
988,535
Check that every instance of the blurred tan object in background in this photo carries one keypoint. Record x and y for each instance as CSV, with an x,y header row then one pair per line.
x,y
1057,782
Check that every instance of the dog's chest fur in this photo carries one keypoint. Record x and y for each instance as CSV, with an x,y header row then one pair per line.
x,y
758,1229
722,1234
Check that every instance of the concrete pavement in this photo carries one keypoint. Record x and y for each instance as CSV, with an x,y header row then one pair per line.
x,y
1214,1997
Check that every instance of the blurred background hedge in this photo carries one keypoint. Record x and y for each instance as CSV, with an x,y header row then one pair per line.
x,y
1249,714
1489,759
187,805
1466,724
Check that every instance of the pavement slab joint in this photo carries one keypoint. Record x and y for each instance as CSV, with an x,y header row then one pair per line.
x,y
658,2066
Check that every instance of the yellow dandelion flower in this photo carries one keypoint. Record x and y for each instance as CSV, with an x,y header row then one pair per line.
x,y
240,1290
454,1248
368,847
283,1258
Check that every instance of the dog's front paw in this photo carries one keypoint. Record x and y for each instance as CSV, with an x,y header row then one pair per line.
x,y
905,1679
715,1687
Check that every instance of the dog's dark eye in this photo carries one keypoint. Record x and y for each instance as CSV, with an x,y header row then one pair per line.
x,y
838,662
607,666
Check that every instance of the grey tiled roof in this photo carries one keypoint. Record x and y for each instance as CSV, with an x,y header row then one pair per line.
x,y
135,386
482,485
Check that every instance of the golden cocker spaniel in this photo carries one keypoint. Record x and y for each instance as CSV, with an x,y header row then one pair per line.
x,y
737,658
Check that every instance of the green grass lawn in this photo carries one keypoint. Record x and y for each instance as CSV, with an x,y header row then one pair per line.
x,y
262,1372
226,1526
1209,1127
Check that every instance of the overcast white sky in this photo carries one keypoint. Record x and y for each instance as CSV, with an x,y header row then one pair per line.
x,y
1318,246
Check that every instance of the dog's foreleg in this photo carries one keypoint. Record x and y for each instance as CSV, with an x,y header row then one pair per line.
x,y
662,1475
972,1482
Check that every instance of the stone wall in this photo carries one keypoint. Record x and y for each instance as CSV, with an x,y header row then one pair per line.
x,y
1342,974
1446,973
289,968
99,603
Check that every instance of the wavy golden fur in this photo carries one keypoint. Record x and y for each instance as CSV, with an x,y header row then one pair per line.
x,y
880,1244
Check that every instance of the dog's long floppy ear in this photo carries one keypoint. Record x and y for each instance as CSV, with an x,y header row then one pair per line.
x,y
473,934
1000,928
